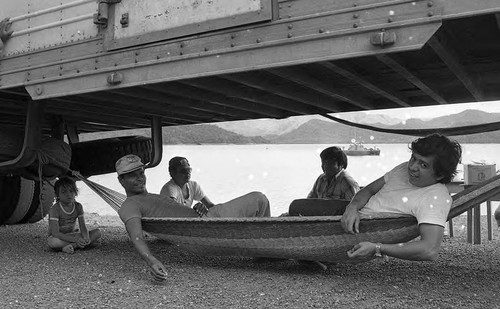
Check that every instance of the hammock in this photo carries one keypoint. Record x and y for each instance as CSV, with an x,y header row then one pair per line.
x,y
113,198
304,238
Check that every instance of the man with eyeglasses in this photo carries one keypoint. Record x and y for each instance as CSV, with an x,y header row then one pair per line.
x,y
185,191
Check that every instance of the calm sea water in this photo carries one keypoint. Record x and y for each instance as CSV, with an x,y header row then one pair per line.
x,y
282,172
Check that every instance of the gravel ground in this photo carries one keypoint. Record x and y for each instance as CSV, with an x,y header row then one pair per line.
x,y
113,276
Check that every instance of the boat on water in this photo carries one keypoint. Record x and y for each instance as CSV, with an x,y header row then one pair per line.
x,y
358,149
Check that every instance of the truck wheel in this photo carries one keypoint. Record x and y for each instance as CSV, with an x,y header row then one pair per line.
x,y
27,190
42,202
99,156
21,200
9,195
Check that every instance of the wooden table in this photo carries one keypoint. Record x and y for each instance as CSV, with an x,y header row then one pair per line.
x,y
473,215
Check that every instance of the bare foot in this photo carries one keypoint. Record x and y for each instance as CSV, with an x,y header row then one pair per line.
x,y
68,249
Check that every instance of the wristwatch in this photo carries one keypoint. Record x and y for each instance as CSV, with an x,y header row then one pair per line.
x,y
378,252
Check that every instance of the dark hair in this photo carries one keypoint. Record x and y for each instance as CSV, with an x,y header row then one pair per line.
x,y
447,154
67,183
174,163
334,153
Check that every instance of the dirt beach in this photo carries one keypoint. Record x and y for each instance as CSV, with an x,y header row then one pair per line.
x,y
113,276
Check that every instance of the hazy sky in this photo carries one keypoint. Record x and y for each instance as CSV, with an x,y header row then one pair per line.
x,y
438,110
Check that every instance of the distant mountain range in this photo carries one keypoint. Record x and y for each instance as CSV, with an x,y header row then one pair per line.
x,y
314,130
325,131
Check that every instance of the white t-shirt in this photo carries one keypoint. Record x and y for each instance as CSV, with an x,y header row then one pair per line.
x,y
172,190
398,196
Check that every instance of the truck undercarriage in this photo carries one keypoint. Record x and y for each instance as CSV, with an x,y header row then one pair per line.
x,y
87,67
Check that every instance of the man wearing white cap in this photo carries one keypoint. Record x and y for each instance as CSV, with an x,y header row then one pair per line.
x,y
139,203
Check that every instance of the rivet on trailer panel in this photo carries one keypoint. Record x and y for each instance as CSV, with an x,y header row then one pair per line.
x,y
39,90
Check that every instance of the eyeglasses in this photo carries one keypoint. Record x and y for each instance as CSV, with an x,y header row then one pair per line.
x,y
184,170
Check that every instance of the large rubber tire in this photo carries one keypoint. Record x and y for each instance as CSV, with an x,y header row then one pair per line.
x,y
24,200
26,196
43,200
98,157
9,195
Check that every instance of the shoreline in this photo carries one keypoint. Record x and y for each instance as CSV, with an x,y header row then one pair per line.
x,y
112,275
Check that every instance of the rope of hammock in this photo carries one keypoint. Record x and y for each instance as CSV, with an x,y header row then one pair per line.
x,y
113,198
464,130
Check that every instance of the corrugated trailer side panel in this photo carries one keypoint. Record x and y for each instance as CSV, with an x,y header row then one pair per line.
x,y
49,23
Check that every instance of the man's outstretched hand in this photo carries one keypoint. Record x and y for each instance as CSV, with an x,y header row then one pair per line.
x,y
158,272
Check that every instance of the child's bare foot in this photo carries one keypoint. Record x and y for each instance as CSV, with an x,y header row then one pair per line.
x,y
68,249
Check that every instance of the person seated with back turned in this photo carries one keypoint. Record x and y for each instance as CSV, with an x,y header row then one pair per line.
x,y
415,188
334,183
185,191
139,204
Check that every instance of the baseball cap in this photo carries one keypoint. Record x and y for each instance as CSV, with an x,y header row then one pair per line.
x,y
127,164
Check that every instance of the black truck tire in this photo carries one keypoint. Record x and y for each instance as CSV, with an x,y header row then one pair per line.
x,y
9,195
43,200
26,196
21,200
98,157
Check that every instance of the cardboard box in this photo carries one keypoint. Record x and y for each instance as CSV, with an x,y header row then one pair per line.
x,y
477,173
